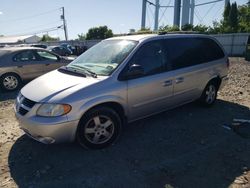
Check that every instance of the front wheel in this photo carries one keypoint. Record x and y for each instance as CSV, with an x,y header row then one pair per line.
x,y
10,82
99,128
209,94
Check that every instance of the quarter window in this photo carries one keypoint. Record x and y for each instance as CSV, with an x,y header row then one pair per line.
x,y
185,52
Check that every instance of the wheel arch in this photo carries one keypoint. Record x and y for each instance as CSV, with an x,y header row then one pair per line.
x,y
115,104
15,73
216,80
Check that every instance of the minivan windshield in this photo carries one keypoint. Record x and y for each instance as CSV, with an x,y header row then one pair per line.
x,y
104,57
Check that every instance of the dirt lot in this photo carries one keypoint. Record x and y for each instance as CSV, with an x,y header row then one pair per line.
x,y
184,147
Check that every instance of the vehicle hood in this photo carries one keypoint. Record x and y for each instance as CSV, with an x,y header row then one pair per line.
x,y
55,84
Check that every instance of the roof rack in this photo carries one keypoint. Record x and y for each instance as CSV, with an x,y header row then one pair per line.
x,y
179,32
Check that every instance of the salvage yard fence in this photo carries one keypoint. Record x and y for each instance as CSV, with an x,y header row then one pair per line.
x,y
235,44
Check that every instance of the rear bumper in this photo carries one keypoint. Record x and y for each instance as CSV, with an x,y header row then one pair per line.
x,y
50,132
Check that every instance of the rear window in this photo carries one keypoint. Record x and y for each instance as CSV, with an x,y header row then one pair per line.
x,y
184,52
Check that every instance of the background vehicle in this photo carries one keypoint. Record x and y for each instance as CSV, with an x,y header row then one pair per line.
x,y
24,63
121,79
60,50
39,46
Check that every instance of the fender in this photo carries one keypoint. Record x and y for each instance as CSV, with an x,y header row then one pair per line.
x,y
101,100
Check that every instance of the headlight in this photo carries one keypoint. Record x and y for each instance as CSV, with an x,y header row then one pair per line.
x,y
53,110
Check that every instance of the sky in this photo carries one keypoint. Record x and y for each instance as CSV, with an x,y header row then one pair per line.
x,y
21,17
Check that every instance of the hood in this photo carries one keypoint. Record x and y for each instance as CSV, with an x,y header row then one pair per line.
x,y
54,83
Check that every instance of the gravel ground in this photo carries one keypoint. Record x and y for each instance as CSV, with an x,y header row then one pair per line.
x,y
183,147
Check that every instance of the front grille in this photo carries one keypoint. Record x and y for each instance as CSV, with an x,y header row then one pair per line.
x,y
28,103
24,105
22,111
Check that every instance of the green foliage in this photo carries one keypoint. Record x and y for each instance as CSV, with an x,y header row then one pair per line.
x,y
47,38
101,32
233,18
187,27
226,14
81,37
144,31
168,28
244,17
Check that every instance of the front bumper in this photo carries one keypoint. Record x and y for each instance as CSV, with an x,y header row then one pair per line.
x,y
224,81
48,130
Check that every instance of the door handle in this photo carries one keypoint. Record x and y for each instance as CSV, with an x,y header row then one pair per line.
x,y
20,66
47,64
179,80
167,83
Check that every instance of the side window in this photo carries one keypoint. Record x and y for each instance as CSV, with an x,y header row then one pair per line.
x,y
27,55
212,51
150,57
43,55
184,52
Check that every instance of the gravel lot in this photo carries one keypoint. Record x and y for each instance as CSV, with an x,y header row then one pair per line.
x,y
184,147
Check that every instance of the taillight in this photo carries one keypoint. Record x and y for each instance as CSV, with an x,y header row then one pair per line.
x,y
228,63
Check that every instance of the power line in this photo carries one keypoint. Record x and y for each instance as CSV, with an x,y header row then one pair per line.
x,y
40,31
27,29
31,16
207,12
165,10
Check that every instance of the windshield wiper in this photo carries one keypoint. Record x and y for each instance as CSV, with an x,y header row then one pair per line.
x,y
93,74
71,71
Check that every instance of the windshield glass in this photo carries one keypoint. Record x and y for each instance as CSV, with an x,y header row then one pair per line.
x,y
104,57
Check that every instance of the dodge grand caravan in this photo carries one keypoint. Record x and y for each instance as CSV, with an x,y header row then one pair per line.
x,y
120,80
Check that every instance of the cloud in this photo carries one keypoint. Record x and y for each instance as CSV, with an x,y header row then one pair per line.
x,y
1,12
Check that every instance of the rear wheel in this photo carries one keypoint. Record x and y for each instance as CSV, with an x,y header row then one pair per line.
x,y
99,128
209,94
10,82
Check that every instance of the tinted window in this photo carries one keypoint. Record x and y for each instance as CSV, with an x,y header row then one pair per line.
x,y
43,55
184,52
151,57
27,55
212,50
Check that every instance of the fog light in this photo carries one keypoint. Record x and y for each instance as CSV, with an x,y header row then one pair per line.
x,y
46,140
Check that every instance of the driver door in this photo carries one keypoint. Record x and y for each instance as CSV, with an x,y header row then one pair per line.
x,y
151,92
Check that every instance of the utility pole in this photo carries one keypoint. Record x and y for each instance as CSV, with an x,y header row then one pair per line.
x,y
177,12
157,7
64,24
143,17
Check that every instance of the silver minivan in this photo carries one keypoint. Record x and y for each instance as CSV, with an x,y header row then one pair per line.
x,y
121,80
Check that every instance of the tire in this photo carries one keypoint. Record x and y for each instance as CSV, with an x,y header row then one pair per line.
x,y
10,82
209,94
98,128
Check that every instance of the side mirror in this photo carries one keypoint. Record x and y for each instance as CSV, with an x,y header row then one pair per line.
x,y
59,58
134,71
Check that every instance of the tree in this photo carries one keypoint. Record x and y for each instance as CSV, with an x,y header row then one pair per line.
x,y
187,27
47,38
233,18
226,14
244,17
101,32
81,36
168,28
144,31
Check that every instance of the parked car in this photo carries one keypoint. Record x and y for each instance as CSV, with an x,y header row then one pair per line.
x,y
60,50
121,80
25,63
39,46
69,47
